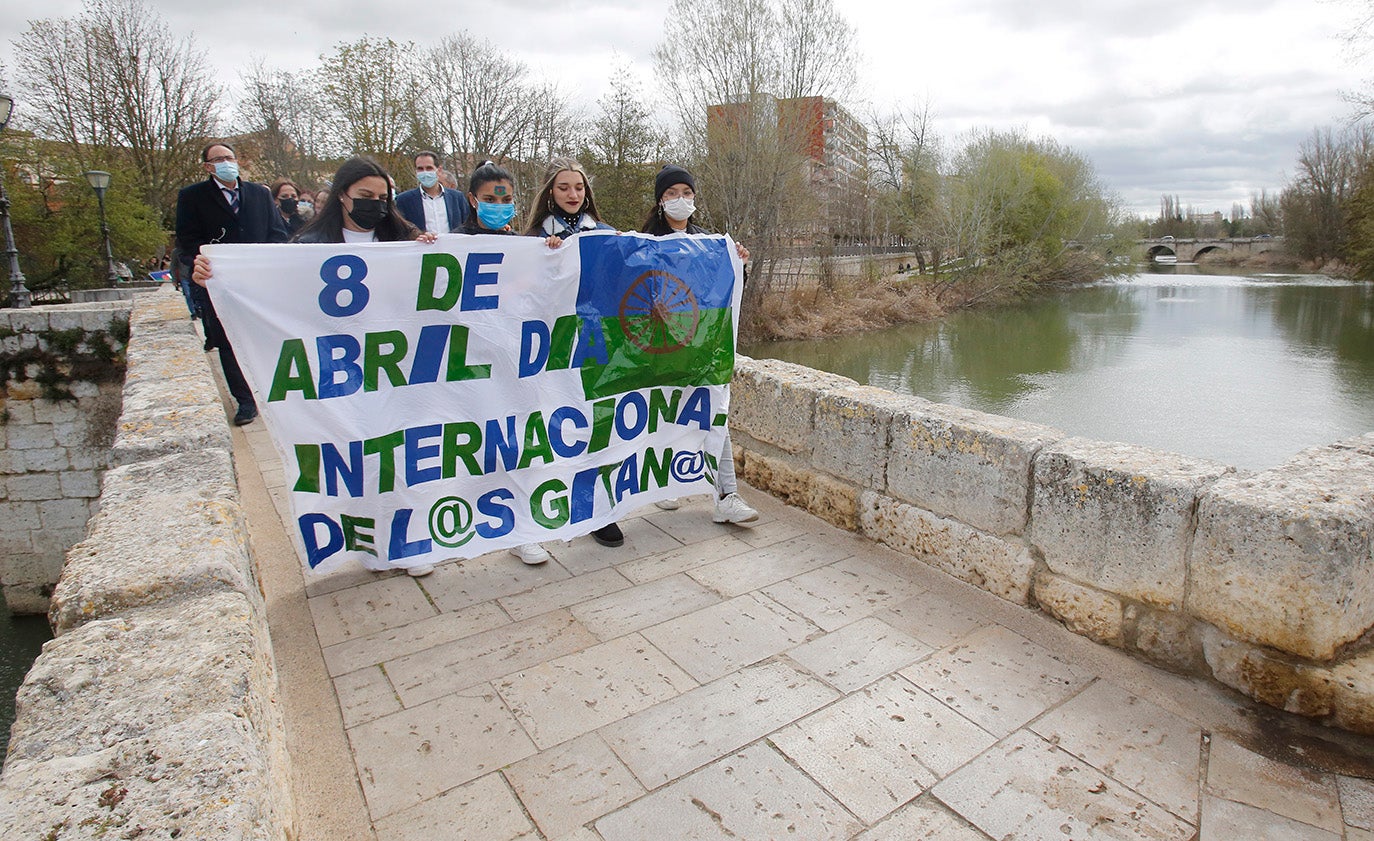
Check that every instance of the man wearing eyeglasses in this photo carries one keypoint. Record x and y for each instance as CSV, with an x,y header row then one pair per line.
x,y
224,208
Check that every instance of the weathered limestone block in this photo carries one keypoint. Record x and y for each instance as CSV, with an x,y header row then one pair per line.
x,y
1273,680
149,434
209,777
775,402
1092,613
1352,694
824,496
1169,638
160,309
968,465
852,429
117,679
1285,558
1119,517
167,528
1001,567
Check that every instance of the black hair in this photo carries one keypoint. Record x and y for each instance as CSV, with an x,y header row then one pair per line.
x,y
656,223
328,220
433,156
487,172
205,153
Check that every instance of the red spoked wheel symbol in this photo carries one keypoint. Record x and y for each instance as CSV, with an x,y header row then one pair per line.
x,y
659,313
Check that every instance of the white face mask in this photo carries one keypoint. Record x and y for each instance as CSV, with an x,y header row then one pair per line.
x,y
680,209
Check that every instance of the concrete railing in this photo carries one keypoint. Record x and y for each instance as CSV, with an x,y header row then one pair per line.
x,y
1262,581
154,712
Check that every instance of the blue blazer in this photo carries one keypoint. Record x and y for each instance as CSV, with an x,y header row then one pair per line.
x,y
412,208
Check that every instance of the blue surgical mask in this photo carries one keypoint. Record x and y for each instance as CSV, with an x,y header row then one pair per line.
x,y
427,178
227,171
494,217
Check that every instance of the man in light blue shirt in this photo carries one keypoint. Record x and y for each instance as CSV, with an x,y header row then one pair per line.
x,y
431,206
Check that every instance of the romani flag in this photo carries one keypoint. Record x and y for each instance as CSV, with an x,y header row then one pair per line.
x,y
664,311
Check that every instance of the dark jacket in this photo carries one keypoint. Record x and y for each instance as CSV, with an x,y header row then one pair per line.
x,y
204,217
411,206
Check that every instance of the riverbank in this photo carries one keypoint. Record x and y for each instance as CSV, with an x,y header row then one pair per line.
x,y
860,304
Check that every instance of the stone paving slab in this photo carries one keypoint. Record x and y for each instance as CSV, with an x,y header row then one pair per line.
x,y
784,681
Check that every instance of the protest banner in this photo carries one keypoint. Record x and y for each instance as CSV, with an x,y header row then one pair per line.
x,y
438,401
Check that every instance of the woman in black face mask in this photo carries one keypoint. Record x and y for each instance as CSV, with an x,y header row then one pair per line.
x,y
285,194
360,208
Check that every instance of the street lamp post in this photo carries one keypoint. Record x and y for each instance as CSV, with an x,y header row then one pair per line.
x,y
100,182
19,293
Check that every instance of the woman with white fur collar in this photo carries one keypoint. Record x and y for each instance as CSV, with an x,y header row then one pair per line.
x,y
565,206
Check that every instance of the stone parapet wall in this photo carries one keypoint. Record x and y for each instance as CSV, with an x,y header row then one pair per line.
x,y
154,712
60,374
1262,581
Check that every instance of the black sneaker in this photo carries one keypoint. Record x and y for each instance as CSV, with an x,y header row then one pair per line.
x,y
245,415
609,536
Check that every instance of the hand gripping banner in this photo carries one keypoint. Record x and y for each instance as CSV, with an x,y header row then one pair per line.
x,y
446,400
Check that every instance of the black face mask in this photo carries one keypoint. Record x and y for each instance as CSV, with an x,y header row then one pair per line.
x,y
366,213
288,206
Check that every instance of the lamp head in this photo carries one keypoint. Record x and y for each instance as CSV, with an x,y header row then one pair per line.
x,y
99,181
6,106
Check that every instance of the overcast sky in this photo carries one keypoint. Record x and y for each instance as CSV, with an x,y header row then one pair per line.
x,y
1205,99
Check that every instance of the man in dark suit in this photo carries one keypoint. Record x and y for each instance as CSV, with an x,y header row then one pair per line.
x,y
431,206
224,208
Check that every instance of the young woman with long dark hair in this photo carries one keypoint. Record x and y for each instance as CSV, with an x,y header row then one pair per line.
x,y
674,205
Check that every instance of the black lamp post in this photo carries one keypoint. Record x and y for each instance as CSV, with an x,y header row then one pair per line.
x,y
100,182
19,293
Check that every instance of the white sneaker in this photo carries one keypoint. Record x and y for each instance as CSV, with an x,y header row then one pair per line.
x,y
420,571
669,504
531,553
732,508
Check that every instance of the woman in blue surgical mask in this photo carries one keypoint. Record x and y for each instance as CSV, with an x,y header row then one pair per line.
x,y
491,192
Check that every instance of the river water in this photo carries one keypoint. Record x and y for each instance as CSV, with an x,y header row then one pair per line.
x,y
1247,370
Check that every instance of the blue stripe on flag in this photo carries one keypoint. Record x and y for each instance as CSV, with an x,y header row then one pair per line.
x,y
611,265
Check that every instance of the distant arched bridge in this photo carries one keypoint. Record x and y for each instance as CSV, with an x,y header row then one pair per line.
x,y
1187,250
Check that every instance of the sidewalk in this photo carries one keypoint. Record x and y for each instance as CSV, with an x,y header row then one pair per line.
x,y
786,681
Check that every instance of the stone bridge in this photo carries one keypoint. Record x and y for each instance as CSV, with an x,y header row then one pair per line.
x,y
947,625
1188,250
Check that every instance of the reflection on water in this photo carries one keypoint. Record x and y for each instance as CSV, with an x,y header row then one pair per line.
x,y
21,638
1245,370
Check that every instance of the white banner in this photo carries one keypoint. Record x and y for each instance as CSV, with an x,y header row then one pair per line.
x,y
442,401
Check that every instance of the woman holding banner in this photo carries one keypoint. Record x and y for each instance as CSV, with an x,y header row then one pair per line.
x,y
360,208
565,206
491,192
674,205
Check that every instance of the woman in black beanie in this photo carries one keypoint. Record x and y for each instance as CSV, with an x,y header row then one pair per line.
x,y
675,193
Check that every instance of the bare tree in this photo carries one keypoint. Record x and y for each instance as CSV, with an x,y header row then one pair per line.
x,y
724,64
113,84
286,111
621,150
369,87
476,100
1314,204
907,156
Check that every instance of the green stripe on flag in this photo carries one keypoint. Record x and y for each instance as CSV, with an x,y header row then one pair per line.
x,y
646,354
